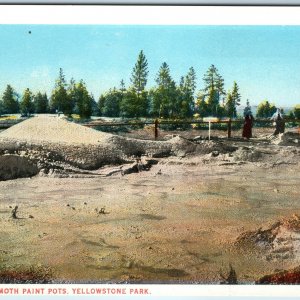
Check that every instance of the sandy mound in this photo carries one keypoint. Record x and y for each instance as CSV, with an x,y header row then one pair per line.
x,y
53,143
53,129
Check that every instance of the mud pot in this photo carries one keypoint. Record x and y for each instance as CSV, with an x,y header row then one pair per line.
x,y
204,213
176,222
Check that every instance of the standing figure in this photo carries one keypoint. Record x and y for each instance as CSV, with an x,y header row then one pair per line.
x,y
279,122
248,124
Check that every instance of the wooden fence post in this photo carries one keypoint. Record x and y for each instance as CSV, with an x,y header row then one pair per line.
x,y
156,129
229,128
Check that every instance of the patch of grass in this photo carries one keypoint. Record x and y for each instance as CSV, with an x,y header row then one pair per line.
x,y
6,118
75,116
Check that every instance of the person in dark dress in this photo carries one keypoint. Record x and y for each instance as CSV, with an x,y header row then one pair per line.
x,y
248,124
279,122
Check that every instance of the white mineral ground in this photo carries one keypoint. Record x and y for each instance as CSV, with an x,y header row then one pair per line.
x,y
177,222
50,128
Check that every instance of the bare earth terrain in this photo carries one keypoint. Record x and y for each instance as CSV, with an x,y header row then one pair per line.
x,y
184,211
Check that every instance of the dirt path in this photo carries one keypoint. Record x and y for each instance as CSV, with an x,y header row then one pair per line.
x,y
177,221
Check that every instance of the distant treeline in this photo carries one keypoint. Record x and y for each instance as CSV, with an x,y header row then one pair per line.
x,y
165,100
72,98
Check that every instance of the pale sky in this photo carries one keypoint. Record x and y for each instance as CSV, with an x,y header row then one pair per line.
x,y
263,60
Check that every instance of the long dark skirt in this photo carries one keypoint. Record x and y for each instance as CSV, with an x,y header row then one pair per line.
x,y
280,127
247,129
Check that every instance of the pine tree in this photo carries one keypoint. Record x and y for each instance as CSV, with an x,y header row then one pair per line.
x,y
101,104
135,101
236,95
26,104
112,103
261,109
233,99
95,109
265,109
140,73
83,100
214,89
297,111
134,105
121,94
71,91
191,81
186,91
41,103
213,105
230,109
60,100
10,104
164,95
1,108
122,86
201,105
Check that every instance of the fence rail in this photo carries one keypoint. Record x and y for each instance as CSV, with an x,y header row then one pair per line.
x,y
158,122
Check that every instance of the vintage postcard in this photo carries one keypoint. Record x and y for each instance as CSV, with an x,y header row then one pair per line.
x,y
149,151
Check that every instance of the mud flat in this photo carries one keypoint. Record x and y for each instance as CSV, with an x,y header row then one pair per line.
x,y
184,212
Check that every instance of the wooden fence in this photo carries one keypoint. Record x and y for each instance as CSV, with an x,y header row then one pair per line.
x,y
158,122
